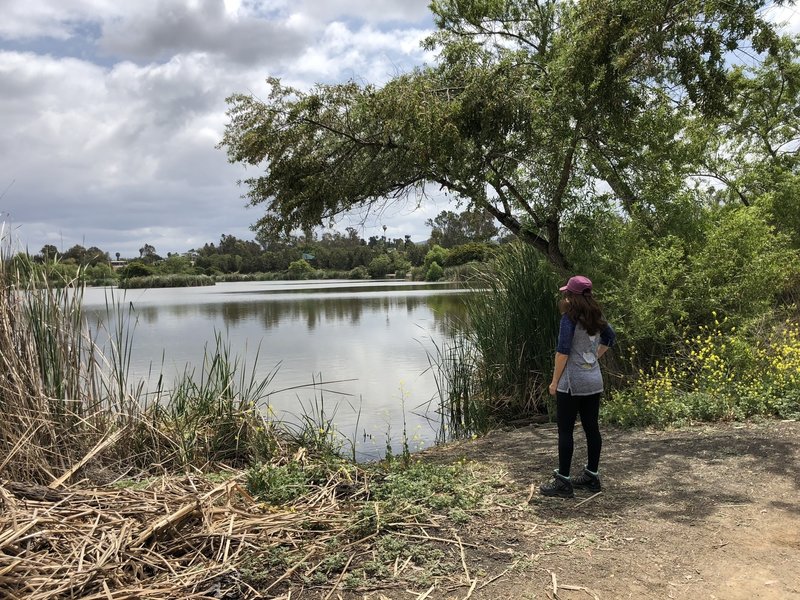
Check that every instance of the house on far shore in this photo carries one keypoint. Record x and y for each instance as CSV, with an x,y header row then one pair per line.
x,y
118,264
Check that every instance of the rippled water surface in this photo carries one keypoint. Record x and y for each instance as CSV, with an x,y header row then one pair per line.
x,y
370,337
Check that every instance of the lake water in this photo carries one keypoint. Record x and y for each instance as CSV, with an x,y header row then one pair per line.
x,y
372,338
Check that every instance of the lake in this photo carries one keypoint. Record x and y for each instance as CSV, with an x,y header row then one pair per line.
x,y
367,341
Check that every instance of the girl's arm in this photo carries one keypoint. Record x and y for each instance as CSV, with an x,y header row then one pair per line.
x,y
566,330
607,338
558,370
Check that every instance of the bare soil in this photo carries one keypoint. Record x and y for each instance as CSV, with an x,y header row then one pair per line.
x,y
706,512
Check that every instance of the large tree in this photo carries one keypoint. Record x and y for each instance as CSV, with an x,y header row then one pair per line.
x,y
533,106
450,229
755,152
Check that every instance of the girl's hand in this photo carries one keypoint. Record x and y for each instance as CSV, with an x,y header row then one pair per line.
x,y
553,388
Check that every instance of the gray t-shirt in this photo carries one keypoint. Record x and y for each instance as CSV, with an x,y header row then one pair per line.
x,y
581,376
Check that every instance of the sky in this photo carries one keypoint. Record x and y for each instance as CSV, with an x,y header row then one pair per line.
x,y
111,111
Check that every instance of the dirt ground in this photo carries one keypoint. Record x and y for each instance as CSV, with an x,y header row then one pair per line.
x,y
708,512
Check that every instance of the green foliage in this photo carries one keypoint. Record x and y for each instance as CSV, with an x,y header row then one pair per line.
x,y
501,365
434,273
529,106
300,269
720,372
513,325
469,252
425,486
99,272
379,266
741,266
165,281
358,273
215,415
176,265
451,229
136,268
278,484
738,267
436,254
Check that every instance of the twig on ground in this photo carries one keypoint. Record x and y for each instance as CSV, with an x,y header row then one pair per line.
x,y
424,594
580,588
496,577
463,558
554,582
430,538
471,589
341,576
592,497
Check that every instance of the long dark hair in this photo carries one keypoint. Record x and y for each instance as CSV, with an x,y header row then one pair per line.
x,y
583,309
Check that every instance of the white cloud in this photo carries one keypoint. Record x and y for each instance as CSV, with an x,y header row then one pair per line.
x,y
115,153
168,28
380,11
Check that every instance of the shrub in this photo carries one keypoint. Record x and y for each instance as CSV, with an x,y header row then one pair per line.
x,y
360,272
434,272
379,266
436,254
300,269
472,252
136,269
720,373
166,281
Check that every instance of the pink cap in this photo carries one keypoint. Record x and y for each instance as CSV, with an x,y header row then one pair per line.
x,y
577,285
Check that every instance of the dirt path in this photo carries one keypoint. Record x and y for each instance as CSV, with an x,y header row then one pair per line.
x,y
706,512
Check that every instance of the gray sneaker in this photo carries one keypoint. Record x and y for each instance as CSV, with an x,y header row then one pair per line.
x,y
560,487
587,481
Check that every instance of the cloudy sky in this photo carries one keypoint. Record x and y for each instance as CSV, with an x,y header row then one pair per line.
x,y
110,111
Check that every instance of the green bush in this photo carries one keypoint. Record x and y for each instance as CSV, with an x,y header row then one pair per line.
x,y
166,281
300,269
136,269
472,252
360,272
719,373
436,254
278,484
434,272
379,266
739,268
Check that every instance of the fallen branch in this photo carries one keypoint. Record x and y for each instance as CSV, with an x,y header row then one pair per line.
x,y
587,499
99,447
580,588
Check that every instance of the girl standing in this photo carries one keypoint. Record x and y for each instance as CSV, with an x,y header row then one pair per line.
x,y
583,337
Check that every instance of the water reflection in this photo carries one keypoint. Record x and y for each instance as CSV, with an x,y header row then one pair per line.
x,y
314,312
375,336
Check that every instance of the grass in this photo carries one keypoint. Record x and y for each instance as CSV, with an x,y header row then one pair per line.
x,y
73,418
500,365
166,281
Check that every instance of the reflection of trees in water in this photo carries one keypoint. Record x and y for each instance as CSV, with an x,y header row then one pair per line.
x,y
447,310
313,311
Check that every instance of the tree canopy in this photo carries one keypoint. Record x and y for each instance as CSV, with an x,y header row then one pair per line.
x,y
534,112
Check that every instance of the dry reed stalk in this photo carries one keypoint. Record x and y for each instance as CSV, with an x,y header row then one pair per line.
x,y
178,539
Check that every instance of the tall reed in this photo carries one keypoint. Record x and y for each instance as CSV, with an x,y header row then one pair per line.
x,y
51,413
462,407
513,323
500,367
70,403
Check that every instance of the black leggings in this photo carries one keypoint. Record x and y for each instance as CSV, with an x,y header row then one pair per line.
x,y
567,409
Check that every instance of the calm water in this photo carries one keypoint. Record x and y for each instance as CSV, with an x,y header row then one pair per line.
x,y
374,335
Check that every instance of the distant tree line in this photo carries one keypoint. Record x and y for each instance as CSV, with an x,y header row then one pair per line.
x,y
456,239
